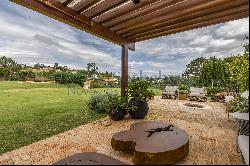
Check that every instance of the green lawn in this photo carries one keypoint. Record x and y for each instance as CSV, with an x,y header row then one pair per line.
x,y
30,112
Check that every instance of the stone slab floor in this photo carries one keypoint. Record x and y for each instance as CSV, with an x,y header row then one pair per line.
x,y
211,134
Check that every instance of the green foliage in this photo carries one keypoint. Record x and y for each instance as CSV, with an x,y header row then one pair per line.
x,y
114,101
239,104
46,74
151,93
183,87
9,66
99,84
3,71
213,90
96,103
91,69
66,77
239,71
138,89
230,73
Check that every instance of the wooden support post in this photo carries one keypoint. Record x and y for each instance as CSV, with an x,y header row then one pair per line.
x,y
124,69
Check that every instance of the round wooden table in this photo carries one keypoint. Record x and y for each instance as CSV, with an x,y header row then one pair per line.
x,y
89,158
153,143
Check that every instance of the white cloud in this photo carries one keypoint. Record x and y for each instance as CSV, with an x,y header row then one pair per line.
x,y
29,38
234,29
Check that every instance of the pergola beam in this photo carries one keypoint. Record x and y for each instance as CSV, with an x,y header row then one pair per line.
x,y
82,5
180,16
155,17
213,16
195,26
108,9
125,9
68,2
118,23
104,6
44,7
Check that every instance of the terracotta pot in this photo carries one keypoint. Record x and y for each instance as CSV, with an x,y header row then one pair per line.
x,y
182,96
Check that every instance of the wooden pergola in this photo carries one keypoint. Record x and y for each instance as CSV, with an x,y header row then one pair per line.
x,y
125,22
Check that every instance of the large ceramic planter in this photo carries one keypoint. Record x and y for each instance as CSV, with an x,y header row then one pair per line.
x,y
137,109
117,114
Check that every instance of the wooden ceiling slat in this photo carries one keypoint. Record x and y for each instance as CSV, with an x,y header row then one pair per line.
x,y
82,4
68,2
140,13
109,8
179,16
130,7
101,7
96,29
133,23
212,16
164,12
195,26
93,2
69,11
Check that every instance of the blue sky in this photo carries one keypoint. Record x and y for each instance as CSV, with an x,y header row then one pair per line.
x,y
29,37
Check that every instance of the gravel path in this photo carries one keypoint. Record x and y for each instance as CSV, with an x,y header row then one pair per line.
x,y
211,134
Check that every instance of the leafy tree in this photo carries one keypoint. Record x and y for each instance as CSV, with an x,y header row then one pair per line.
x,y
239,71
56,65
91,69
67,77
192,74
3,71
10,66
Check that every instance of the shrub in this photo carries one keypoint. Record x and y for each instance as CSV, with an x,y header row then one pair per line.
x,y
239,104
97,84
113,101
151,93
183,87
214,90
97,103
66,77
138,89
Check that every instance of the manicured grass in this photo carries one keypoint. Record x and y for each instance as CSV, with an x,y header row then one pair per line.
x,y
31,112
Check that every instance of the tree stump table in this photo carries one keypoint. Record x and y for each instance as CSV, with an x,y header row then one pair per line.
x,y
153,143
89,158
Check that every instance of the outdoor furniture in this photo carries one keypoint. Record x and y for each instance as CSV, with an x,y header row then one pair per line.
x,y
242,139
89,158
197,94
152,143
170,92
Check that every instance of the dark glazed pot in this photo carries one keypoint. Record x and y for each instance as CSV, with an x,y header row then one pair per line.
x,y
140,110
117,114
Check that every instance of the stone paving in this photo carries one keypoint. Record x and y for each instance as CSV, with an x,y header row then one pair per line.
x,y
211,134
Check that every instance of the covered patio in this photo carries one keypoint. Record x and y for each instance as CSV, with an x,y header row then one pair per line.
x,y
126,22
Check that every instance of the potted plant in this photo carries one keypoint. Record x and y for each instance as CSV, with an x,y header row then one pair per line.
x,y
183,92
138,92
115,106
